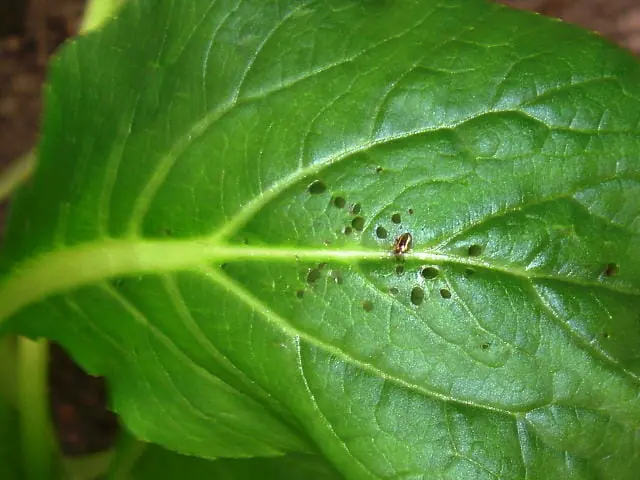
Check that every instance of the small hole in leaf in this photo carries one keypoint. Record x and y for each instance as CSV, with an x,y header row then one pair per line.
x,y
429,272
347,230
485,346
410,211
611,270
117,283
167,231
444,293
399,269
355,209
322,265
336,276
300,293
396,218
358,223
381,232
469,272
367,305
224,266
417,296
474,250
379,169
313,275
317,187
605,334
393,291
339,202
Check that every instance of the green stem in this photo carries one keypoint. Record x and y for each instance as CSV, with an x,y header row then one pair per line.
x,y
36,431
127,451
96,12
16,174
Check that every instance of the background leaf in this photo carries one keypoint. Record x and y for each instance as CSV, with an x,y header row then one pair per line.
x,y
219,191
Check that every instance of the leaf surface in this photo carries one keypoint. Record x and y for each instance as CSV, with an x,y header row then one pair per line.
x,y
221,189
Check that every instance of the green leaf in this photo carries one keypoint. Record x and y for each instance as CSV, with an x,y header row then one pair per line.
x,y
221,189
159,463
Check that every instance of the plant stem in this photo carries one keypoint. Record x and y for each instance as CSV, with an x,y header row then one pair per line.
x,y
16,174
96,12
128,449
36,432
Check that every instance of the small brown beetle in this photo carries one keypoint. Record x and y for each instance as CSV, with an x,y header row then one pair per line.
x,y
402,244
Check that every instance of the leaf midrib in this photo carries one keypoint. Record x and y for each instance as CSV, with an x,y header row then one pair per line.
x,y
48,274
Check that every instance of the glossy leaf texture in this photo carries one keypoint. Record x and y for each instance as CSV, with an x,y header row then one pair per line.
x,y
399,235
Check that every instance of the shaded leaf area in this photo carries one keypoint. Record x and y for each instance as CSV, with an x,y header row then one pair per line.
x,y
159,463
403,236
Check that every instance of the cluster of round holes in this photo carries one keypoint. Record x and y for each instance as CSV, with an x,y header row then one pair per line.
x,y
381,232
317,187
444,293
429,272
367,305
396,218
474,250
417,295
611,270
358,223
339,202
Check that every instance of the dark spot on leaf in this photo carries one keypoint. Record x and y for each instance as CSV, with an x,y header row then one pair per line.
x,y
393,291
367,305
611,270
347,230
317,187
444,293
399,269
396,218
381,232
379,169
429,272
417,296
485,346
605,334
313,275
358,223
474,250
410,211
300,293
339,202
336,276
469,272
355,209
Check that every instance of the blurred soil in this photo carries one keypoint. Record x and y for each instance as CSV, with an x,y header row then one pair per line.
x,y
78,401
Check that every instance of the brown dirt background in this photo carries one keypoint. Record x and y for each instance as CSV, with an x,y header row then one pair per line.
x,y
78,401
